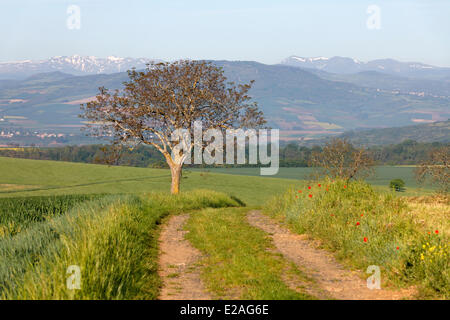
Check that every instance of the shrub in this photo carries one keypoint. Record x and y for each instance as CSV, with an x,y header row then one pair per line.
x,y
397,185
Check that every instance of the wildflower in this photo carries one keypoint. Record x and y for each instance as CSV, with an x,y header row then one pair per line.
x,y
309,188
362,214
422,257
365,239
296,197
332,215
310,195
345,187
299,191
357,223
327,189
398,248
319,185
437,231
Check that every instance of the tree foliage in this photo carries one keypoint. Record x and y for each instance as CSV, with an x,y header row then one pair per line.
x,y
170,96
339,158
437,169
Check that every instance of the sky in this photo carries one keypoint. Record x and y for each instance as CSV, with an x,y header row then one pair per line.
x,y
260,30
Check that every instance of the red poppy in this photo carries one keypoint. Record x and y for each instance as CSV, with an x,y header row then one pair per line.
x,y
332,215
437,231
296,197
319,185
310,195
345,187
357,223
429,232
309,188
362,214
327,189
365,239
398,248
299,191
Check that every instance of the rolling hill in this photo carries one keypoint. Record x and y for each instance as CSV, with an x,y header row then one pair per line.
x,y
429,132
301,103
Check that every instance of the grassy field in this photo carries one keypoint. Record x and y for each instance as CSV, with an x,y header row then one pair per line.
x,y
106,220
21,177
114,242
381,177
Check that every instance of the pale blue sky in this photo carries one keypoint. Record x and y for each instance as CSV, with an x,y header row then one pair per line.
x,y
260,30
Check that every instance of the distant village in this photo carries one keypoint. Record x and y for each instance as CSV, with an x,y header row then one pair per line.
x,y
38,138
42,135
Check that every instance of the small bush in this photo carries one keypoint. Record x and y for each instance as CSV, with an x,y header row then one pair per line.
x,y
397,185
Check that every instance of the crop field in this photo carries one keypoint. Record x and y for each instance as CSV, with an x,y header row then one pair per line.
x,y
16,214
113,239
57,214
42,178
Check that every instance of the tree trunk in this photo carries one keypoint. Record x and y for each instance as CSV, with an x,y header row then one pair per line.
x,y
175,170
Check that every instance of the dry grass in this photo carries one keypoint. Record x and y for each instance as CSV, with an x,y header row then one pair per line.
x,y
430,212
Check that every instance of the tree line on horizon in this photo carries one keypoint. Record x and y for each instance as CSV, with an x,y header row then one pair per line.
x,y
408,152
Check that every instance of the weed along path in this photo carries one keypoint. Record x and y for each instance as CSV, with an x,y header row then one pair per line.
x,y
178,263
320,265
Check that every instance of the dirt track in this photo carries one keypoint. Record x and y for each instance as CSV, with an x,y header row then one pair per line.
x,y
178,258
320,265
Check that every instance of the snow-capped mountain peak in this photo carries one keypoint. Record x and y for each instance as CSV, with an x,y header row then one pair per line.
x,y
302,59
75,64
343,65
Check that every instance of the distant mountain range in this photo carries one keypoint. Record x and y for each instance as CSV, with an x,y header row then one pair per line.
x,y
429,132
303,102
344,65
75,65
85,65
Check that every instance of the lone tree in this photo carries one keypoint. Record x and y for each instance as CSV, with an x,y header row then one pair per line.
x,y
166,97
437,169
340,159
